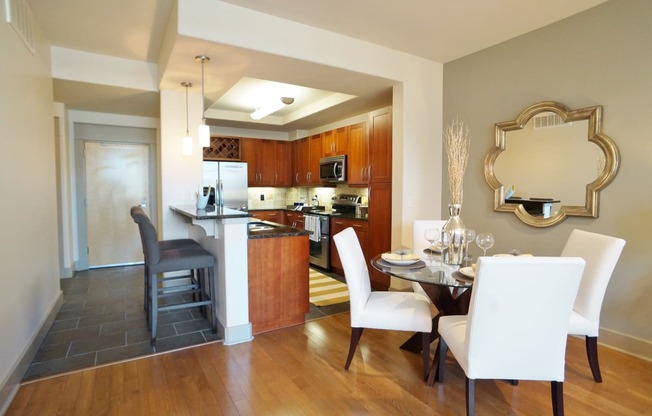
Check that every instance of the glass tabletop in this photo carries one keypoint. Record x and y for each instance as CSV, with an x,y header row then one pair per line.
x,y
424,272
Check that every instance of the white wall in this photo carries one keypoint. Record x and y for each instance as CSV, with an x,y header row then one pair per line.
x,y
28,213
599,57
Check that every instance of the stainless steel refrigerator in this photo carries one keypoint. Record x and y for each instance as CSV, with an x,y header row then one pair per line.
x,y
229,179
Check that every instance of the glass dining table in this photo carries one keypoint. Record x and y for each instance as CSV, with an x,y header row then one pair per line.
x,y
448,289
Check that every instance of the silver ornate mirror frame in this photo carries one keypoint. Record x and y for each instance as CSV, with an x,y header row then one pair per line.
x,y
595,135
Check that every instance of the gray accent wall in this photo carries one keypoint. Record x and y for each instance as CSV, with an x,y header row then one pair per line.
x,y
600,57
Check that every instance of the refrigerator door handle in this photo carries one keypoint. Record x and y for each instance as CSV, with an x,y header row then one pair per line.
x,y
221,192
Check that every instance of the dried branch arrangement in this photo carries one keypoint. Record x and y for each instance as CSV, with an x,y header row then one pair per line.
x,y
456,140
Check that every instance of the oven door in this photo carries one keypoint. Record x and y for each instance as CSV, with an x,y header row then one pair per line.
x,y
320,250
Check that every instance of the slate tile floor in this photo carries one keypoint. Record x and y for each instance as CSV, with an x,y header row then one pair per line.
x,y
102,320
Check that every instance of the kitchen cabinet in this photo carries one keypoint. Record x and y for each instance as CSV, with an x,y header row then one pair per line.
x,y
283,164
295,219
358,155
361,230
380,224
278,282
267,162
370,150
273,215
335,142
380,146
308,151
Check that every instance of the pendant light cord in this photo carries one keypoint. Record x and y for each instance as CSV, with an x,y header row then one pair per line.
x,y
187,129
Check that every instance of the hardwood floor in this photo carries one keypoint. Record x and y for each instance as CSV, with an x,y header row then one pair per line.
x,y
299,371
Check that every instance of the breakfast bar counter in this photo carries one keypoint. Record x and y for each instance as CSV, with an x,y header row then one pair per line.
x,y
259,266
224,233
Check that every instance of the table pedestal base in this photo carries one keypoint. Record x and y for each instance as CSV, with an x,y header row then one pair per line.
x,y
447,303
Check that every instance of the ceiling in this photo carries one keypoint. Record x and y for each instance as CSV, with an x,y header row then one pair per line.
x,y
439,30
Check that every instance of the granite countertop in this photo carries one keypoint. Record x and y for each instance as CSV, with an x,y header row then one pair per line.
x,y
270,229
192,212
307,211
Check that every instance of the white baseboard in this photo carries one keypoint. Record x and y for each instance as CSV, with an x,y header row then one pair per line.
x,y
628,344
9,387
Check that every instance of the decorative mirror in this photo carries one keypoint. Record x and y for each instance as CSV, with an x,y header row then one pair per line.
x,y
551,163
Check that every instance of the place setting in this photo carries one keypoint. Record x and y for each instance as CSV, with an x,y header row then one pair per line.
x,y
401,259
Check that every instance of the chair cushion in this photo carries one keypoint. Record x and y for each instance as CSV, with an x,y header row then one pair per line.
x,y
182,259
178,243
400,311
579,325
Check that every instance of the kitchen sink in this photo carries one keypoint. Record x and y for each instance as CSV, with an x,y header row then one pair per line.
x,y
259,226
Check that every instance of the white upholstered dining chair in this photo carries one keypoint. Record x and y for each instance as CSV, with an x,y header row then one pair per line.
x,y
516,327
601,254
399,311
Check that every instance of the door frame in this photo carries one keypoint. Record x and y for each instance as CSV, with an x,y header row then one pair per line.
x,y
100,133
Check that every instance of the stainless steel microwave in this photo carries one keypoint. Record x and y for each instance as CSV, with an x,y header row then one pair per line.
x,y
332,169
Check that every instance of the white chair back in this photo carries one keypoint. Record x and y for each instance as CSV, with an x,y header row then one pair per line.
x,y
356,272
519,315
419,242
601,254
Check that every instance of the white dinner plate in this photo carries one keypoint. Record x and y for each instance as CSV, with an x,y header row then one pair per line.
x,y
400,259
468,272
401,262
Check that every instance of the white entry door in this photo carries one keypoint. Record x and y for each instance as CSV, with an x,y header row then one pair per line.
x,y
117,178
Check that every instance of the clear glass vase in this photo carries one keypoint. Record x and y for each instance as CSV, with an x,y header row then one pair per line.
x,y
455,252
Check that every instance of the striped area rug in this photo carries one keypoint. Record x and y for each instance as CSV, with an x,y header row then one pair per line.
x,y
325,290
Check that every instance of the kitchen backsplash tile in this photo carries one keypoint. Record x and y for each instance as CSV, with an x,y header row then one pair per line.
x,y
275,198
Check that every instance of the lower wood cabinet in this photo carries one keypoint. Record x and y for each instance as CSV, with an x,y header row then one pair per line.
x,y
361,230
278,282
295,219
273,215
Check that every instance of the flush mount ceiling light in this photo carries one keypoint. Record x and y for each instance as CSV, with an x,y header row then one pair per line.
x,y
186,142
204,130
272,108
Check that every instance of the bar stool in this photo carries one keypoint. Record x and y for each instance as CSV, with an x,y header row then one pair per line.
x,y
158,261
163,244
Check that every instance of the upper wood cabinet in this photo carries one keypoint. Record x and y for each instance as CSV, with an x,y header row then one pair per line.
x,y
268,162
358,155
335,142
306,155
380,146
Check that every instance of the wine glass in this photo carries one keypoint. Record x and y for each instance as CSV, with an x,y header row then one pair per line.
x,y
485,241
444,240
430,234
469,235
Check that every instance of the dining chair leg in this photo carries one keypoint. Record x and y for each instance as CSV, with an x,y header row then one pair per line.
x,y
470,396
443,350
356,333
592,354
425,339
557,393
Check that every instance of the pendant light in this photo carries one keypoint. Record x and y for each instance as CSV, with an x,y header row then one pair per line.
x,y
186,142
204,129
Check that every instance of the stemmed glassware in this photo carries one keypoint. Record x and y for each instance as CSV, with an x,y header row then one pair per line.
x,y
431,235
484,241
445,239
469,235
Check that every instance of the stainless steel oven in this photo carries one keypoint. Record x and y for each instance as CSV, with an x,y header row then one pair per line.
x,y
319,240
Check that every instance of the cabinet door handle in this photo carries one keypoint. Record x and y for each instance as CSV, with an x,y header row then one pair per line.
x,y
296,177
